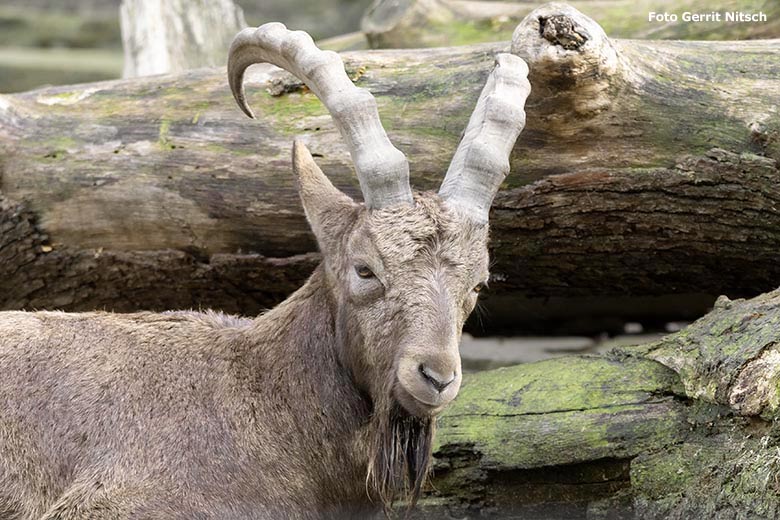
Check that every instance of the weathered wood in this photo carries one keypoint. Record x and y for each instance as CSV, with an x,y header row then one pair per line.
x,y
682,428
645,169
163,36
394,24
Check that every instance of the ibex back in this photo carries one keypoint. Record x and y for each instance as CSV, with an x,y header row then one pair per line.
x,y
323,407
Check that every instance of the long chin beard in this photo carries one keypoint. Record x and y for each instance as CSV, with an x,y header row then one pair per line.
x,y
400,455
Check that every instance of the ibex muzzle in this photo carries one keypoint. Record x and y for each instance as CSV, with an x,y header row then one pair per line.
x,y
320,408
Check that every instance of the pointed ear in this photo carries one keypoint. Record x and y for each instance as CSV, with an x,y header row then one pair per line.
x,y
327,209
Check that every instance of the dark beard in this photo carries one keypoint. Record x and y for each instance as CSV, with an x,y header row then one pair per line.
x,y
400,457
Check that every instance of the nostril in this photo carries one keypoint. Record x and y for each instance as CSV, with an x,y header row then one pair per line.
x,y
435,379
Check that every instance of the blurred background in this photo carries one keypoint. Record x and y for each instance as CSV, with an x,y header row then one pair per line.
x,y
58,42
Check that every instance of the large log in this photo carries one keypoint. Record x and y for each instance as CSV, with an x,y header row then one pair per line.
x,y
682,428
394,24
646,169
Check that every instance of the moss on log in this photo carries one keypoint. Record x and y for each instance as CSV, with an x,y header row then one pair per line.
x,y
646,169
600,408
682,428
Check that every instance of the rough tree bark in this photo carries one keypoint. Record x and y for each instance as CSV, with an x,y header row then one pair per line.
x,y
398,24
162,36
647,172
678,429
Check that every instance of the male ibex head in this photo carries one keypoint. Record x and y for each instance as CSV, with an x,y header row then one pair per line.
x,y
403,269
320,408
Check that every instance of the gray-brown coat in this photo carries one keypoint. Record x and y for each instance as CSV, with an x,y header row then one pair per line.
x,y
322,407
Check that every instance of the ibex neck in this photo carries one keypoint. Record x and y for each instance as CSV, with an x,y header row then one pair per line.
x,y
300,331
306,319
297,361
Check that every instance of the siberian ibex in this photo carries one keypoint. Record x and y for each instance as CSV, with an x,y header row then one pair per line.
x,y
322,407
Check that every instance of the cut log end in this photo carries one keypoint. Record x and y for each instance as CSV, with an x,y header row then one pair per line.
x,y
561,30
572,61
560,40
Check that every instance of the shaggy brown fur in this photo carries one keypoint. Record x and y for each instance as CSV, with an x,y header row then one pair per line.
x,y
303,412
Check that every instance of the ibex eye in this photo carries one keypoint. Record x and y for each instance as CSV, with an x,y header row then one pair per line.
x,y
364,272
479,287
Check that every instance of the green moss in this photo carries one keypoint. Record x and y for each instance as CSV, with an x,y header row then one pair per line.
x,y
528,441
712,351
55,154
671,471
579,384
288,110
568,410
163,140
62,142
289,105
59,147
66,97
462,32
729,474
216,148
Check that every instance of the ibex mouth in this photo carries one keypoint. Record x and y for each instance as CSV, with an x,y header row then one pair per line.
x,y
414,406
425,388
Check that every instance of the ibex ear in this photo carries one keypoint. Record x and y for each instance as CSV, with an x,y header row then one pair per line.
x,y
327,209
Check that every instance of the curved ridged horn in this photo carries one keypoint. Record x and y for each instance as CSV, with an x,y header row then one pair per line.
x,y
382,169
481,161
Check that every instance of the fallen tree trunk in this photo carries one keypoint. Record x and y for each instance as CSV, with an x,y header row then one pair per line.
x,y
646,169
682,428
390,24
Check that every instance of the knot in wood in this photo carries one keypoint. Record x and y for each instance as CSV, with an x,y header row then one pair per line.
x,y
723,302
561,30
283,84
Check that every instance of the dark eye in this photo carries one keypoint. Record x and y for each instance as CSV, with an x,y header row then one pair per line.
x,y
479,287
364,272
